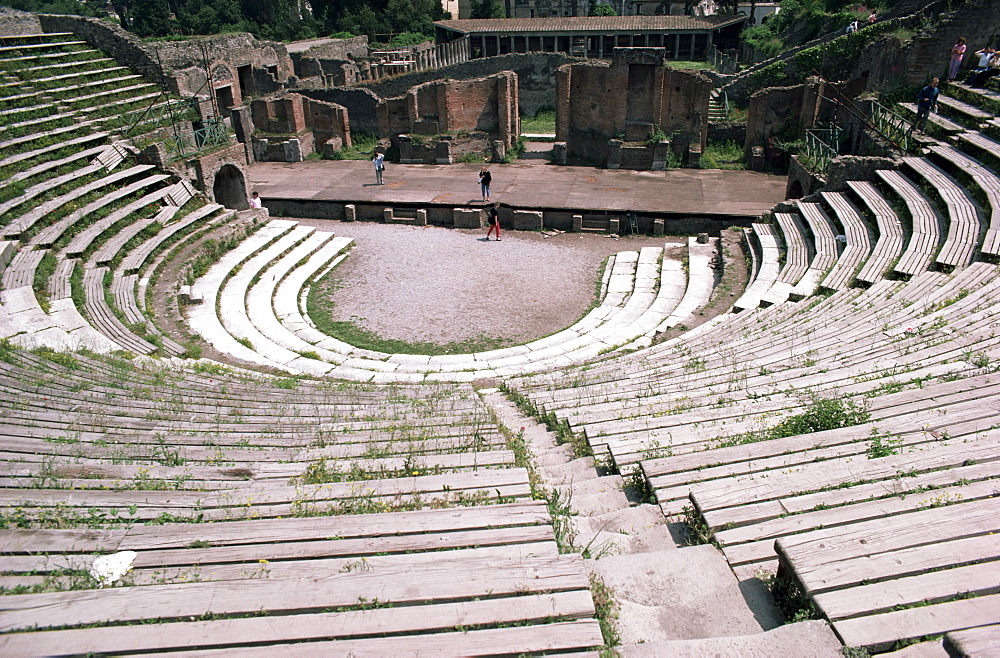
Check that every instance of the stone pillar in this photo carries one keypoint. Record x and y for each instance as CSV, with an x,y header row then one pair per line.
x,y
527,220
350,213
242,123
467,218
613,225
563,80
443,151
412,110
658,228
577,223
559,153
614,153
421,217
660,153
387,215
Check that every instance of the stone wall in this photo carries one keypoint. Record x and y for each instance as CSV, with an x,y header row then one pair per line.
x,y
786,111
338,62
310,125
109,37
486,105
361,105
535,77
13,21
629,99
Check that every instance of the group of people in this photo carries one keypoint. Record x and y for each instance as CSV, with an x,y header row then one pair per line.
x,y
485,181
987,67
854,26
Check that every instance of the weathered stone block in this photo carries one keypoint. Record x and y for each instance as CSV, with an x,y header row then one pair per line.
x,y
559,153
350,213
527,220
421,217
467,218
658,227
613,226
387,215
577,223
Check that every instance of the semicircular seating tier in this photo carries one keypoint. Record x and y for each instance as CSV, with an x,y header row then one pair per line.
x,y
255,314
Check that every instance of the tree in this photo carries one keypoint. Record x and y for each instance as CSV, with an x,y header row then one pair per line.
x,y
601,9
488,9
151,18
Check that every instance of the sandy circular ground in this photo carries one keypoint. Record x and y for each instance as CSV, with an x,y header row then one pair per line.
x,y
438,285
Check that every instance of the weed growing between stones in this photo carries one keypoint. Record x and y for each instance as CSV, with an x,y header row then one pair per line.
x,y
697,531
791,600
821,414
606,611
883,445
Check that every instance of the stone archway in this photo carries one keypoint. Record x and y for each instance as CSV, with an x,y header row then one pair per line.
x,y
230,188
794,190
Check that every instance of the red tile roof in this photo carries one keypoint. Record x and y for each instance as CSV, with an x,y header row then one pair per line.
x,y
605,24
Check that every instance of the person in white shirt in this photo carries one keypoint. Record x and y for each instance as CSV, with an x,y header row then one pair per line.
x,y
379,162
255,201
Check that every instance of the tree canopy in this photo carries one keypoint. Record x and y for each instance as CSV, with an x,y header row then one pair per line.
x,y
281,20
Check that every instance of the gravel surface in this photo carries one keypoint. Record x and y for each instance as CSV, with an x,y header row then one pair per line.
x,y
438,285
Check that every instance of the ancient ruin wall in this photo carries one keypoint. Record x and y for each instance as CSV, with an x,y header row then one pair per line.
x,y
628,100
487,105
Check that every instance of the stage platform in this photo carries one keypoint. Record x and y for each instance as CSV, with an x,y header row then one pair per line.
x,y
678,192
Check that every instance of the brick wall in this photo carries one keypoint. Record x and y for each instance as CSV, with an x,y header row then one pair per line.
x,y
628,98
777,110
447,106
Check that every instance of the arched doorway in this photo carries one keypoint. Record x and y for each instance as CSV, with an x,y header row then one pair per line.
x,y
230,188
794,190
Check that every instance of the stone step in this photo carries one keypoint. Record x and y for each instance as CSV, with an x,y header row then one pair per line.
x,y
662,596
603,502
591,486
812,638
601,544
574,471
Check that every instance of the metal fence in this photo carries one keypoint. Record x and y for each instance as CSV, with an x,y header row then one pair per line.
x,y
893,127
821,146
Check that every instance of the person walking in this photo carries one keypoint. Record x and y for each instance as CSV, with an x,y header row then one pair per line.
x,y
493,218
957,55
926,101
379,162
485,179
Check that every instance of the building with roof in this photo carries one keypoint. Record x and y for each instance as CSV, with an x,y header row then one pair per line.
x,y
682,37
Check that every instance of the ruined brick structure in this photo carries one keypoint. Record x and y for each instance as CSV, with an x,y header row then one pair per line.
x,y
602,108
786,112
297,126
445,106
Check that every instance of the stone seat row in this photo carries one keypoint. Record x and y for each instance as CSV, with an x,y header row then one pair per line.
x,y
673,478
271,321
498,570
858,369
780,332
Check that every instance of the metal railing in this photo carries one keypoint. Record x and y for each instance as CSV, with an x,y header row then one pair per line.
x,y
212,133
822,145
893,127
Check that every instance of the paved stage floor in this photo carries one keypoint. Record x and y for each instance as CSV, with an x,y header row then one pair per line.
x,y
521,185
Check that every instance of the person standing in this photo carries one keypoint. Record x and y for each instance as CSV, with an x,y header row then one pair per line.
x,y
926,101
493,218
485,180
255,200
379,162
957,55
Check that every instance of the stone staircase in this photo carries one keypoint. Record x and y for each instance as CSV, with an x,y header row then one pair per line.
x,y
664,598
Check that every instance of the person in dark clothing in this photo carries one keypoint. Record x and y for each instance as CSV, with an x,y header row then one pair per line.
x,y
926,101
484,182
493,218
